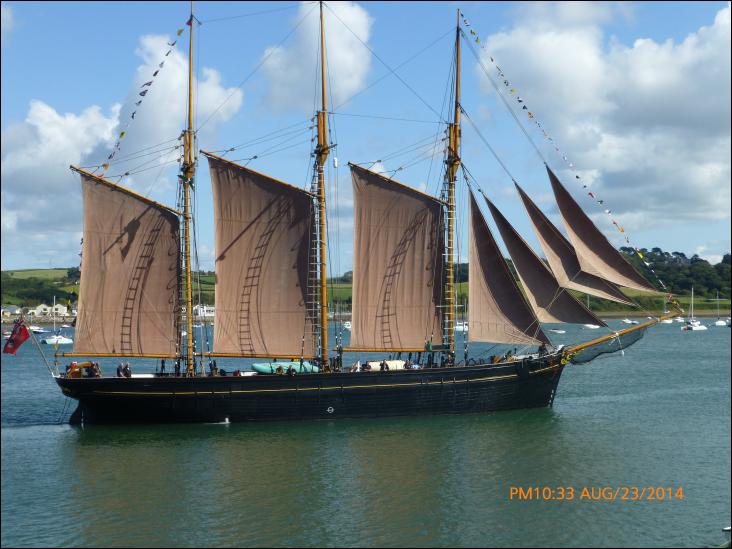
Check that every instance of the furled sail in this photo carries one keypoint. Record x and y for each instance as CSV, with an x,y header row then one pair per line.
x,y
550,301
130,273
264,231
596,255
397,265
497,310
562,259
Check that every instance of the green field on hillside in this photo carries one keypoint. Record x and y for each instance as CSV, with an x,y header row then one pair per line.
x,y
55,282
44,274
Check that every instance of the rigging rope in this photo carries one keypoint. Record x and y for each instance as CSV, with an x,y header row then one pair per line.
x,y
399,66
146,87
259,66
546,135
392,71
253,13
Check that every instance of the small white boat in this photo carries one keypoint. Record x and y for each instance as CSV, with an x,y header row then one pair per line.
x,y
37,329
628,321
667,321
347,325
591,326
66,325
679,319
692,324
461,327
559,331
57,339
720,321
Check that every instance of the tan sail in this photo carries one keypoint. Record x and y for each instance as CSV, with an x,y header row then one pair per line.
x,y
263,244
550,301
562,258
497,311
397,265
130,273
595,254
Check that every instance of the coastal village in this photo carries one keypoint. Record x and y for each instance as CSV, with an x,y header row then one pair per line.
x,y
44,313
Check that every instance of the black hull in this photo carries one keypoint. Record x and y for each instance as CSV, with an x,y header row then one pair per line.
x,y
530,383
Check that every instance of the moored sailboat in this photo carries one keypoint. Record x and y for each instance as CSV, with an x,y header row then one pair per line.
x,y
692,324
271,296
57,338
720,321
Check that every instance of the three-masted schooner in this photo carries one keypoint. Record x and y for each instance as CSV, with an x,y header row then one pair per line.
x,y
271,295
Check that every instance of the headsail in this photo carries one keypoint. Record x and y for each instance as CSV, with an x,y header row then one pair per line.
x,y
263,243
130,273
595,254
562,258
397,265
550,301
497,311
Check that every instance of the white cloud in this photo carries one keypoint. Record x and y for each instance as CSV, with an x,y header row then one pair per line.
x,y
572,13
6,20
703,252
41,198
291,69
648,125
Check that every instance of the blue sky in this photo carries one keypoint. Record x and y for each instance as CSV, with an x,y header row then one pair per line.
x,y
636,94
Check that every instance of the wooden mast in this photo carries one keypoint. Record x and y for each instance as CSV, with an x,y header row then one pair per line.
x,y
189,171
453,163
321,153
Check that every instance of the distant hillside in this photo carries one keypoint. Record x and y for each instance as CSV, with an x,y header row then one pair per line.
x,y
30,287
34,286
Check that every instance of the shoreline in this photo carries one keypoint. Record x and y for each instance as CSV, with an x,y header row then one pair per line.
x,y
610,315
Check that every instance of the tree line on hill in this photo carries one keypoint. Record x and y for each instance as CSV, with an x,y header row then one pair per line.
x,y
680,273
677,271
34,291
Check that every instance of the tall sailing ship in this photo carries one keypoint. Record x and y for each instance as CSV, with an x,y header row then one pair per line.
x,y
136,295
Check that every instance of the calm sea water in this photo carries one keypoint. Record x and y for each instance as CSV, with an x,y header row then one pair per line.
x,y
658,416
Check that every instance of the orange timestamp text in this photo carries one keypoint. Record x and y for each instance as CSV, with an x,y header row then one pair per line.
x,y
596,493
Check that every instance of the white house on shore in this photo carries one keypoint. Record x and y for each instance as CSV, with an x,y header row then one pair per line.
x,y
203,311
10,310
48,310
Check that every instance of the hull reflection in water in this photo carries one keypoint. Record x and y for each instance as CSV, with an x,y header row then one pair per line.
x,y
527,383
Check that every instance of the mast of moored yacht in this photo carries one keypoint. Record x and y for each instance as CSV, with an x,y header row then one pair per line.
x,y
321,153
188,172
453,163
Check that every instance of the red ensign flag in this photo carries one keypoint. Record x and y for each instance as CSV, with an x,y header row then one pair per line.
x,y
17,337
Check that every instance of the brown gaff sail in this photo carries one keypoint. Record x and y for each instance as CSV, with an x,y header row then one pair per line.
x,y
397,265
550,301
498,312
562,259
264,231
595,254
130,273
